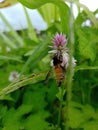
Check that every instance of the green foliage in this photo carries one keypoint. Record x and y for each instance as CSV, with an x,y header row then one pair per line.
x,y
36,4
38,53
49,15
83,116
19,40
29,113
87,41
20,83
63,11
31,31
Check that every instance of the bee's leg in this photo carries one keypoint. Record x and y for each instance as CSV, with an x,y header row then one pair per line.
x,y
48,75
59,83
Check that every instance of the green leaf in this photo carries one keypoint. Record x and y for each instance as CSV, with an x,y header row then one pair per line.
x,y
38,53
36,4
63,9
10,58
36,98
50,16
81,67
19,40
76,117
60,93
7,98
3,110
90,125
31,31
22,110
21,82
37,121
64,15
10,123
82,116
87,42
96,115
88,12
7,41
88,112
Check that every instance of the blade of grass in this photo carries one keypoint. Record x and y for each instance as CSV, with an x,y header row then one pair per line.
x,y
86,68
37,54
12,31
31,31
10,58
7,41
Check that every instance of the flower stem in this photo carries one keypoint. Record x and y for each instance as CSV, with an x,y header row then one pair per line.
x,y
60,105
70,72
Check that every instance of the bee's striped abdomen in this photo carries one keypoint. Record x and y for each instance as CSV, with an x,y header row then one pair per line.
x,y
59,74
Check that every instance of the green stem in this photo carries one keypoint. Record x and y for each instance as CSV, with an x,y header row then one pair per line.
x,y
60,107
70,68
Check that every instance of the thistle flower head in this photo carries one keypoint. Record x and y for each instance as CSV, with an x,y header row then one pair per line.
x,y
59,40
59,43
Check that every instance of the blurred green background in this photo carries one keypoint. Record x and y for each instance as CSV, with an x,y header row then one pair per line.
x,y
29,103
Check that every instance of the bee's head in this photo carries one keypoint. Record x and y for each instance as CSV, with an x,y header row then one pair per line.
x,y
57,60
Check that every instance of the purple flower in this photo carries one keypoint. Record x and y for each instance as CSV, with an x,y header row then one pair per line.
x,y
59,44
59,40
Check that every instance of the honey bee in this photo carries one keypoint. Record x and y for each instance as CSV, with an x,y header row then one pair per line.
x,y
59,69
60,59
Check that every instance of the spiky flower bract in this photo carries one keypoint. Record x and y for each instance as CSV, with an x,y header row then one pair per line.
x,y
59,40
59,43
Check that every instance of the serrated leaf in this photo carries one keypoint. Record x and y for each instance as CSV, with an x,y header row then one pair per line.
x,y
91,125
88,112
23,109
3,110
36,98
37,121
76,117
12,119
8,120
86,44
